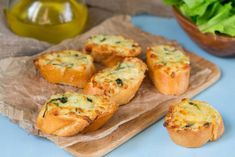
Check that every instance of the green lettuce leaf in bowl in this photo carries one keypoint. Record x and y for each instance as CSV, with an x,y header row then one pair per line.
x,y
211,16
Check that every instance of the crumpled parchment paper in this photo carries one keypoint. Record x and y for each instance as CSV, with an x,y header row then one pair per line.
x,y
23,91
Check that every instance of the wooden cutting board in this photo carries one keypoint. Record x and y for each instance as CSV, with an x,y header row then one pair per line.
x,y
203,74
126,131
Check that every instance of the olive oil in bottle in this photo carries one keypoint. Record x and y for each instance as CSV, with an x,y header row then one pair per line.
x,y
47,20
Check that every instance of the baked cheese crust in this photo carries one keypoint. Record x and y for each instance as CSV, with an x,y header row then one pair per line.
x,y
169,69
190,117
110,49
70,113
66,67
120,82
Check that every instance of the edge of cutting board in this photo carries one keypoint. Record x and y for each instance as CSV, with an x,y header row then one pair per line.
x,y
125,132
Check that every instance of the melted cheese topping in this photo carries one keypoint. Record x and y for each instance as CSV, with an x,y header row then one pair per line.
x,y
66,59
192,114
80,104
121,76
169,57
121,44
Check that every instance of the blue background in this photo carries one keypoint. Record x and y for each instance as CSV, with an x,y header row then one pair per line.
x,y
154,141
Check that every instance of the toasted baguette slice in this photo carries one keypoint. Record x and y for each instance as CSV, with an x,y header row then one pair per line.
x,y
71,113
193,123
169,69
119,82
67,67
111,49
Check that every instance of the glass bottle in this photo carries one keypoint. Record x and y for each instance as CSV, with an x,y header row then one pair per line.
x,y
47,20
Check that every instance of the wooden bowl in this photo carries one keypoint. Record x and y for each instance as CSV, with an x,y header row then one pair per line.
x,y
219,45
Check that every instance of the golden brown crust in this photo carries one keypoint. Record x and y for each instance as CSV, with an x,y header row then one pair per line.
x,y
110,54
119,94
201,133
190,138
99,121
77,77
68,121
120,98
61,126
166,80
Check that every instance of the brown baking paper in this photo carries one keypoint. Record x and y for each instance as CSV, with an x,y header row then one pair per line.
x,y
23,91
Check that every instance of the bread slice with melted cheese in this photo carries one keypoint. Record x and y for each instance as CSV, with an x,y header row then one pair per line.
x,y
192,123
169,69
71,113
66,67
110,49
120,82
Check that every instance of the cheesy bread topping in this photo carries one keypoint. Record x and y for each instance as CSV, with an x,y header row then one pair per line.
x,y
169,57
66,59
120,76
192,114
78,104
121,45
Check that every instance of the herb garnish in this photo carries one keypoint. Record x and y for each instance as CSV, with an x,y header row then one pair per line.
x,y
189,125
89,99
171,50
119,82
62,100
206,124
165,49
119,67
191,103
67,65
103,39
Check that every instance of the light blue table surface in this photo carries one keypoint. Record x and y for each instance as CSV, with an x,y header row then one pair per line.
x,y
154,141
